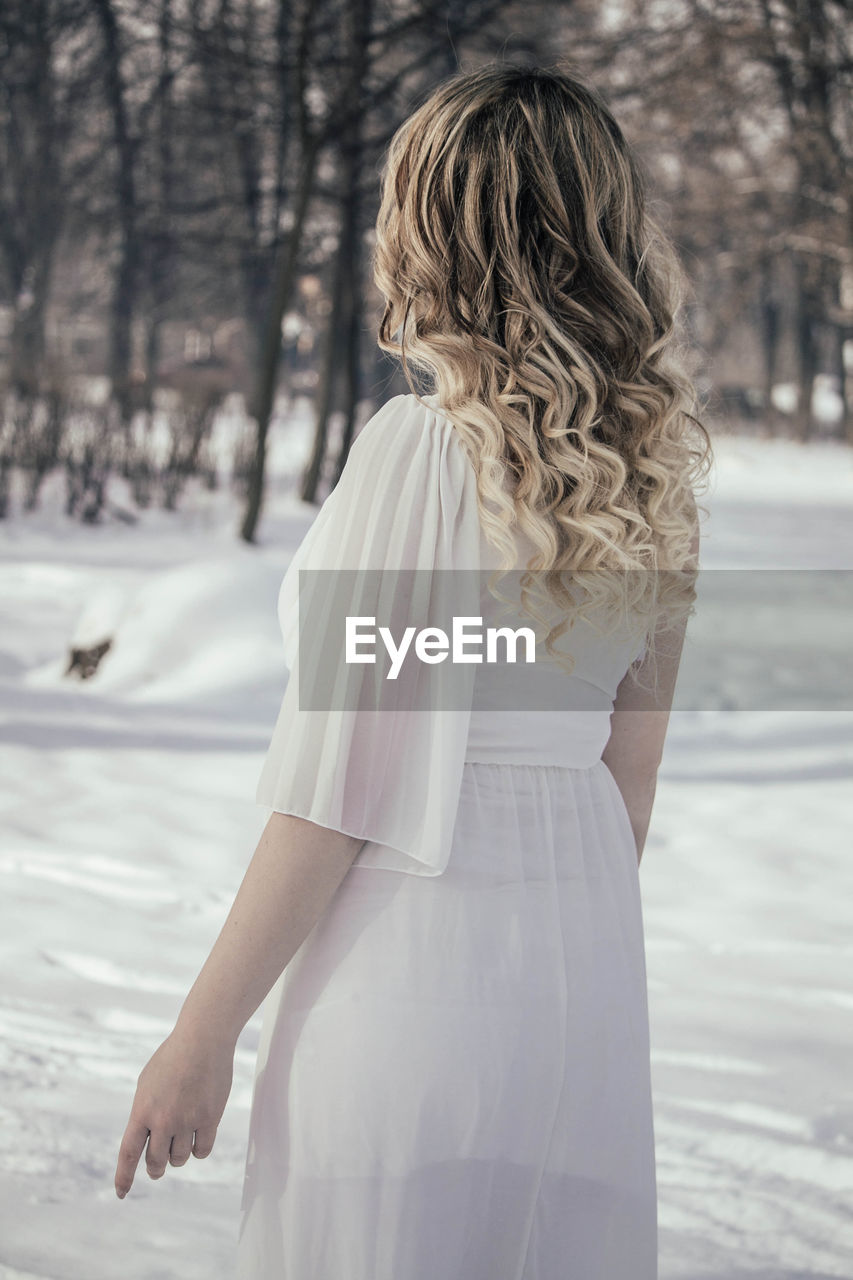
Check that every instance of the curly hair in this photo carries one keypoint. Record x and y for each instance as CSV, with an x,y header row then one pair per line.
x,y
522,271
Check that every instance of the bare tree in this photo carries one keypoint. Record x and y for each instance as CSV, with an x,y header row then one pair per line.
x,y
36,117
807,47
343,333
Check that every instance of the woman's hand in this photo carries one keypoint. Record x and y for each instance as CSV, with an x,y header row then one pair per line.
x,y
181,1094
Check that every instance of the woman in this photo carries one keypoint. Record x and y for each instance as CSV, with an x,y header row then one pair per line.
x,y
443,910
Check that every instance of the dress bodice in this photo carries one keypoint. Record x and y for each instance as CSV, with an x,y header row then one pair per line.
x,y
543,714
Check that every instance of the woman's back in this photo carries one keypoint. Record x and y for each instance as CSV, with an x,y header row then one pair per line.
x,y
536,712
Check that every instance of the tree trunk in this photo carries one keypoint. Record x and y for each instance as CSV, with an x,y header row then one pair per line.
x,y
842,334
346,314
327,382
807,352
127,275
769,327
32,195
354,311
27,339
269,344
160,256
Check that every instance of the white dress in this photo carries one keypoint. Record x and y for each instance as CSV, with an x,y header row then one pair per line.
x,y
453,1078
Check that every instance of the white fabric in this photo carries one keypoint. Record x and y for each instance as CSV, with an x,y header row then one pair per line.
x,y
453,1075
406,501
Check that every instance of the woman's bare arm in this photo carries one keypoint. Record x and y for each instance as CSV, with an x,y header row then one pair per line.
x,y
294,872
182,1090
637,731
639,722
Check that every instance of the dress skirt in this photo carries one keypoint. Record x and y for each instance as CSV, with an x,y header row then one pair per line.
x,y
453,1078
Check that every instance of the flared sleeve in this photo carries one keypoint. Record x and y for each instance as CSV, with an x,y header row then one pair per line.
x,y
397,541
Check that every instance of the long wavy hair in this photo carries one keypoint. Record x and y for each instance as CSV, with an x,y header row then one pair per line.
x,y
523,272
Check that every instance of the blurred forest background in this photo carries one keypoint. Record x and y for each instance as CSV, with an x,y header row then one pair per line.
x,y
188,190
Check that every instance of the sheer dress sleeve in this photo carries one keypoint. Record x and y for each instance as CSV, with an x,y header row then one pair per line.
x,y
406,501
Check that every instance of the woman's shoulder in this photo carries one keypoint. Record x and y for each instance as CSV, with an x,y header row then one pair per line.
x,y
408,444
402,419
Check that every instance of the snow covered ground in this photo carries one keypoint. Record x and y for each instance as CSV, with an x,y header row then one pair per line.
x,y
128,818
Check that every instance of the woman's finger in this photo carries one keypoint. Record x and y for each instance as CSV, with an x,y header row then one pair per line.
x,y
205,1136
132,1146
157,1156
181,1147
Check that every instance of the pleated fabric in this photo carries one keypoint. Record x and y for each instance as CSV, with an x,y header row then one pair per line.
x,y
406,501
453,1077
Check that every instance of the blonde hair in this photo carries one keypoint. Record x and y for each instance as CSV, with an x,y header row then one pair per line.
x,y
524,273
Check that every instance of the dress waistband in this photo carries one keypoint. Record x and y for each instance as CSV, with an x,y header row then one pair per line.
x,y
568,739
